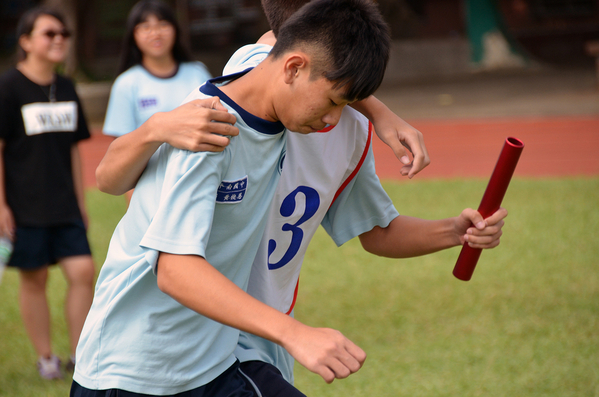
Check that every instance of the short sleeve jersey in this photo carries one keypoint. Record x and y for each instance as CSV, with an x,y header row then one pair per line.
x,y
213,205
137,94
328,178
38,137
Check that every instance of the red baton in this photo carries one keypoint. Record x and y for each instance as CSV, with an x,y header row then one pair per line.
x,y
491,201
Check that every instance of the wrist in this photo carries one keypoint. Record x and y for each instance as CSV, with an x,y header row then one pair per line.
x,y
152,130
285,333
457,232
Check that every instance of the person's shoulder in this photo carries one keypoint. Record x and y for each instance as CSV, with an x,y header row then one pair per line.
x,y
249,55
253,49
130,77
194,65
194,71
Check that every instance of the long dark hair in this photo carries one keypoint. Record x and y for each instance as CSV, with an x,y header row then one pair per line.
x,y
27,21
130,53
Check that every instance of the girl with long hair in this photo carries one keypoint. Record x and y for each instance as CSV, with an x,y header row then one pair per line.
x,y
155,72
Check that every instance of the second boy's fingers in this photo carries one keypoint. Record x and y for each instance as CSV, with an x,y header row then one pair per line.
x,y
221,128
207,103
217,112
421,158
222,115
400,150
205,147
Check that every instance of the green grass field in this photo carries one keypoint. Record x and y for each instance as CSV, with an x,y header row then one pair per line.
x,y
527,324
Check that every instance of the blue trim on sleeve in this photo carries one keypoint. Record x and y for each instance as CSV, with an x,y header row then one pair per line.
x,y
261,125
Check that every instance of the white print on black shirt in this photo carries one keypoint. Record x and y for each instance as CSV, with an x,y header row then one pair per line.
x,y
40,118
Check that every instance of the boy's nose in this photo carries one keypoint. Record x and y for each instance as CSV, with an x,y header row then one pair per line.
x,y
333,116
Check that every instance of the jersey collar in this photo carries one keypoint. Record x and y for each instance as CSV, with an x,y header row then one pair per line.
x,y
257,123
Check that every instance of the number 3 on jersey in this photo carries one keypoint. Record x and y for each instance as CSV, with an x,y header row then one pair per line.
x,y
287,209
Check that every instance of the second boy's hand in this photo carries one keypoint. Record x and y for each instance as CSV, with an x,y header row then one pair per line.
x,y
126,158
197,132
400,136
397,134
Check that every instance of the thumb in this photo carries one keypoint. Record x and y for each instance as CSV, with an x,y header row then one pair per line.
x,y
475,218
215,104
398,149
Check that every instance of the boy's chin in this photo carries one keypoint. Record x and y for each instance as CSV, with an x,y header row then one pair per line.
x,y
304,129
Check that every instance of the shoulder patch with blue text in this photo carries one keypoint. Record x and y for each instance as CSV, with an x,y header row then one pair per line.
x,y
231,192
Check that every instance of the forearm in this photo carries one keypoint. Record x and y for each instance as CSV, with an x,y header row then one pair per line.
x,y
125,160
407,237
370,107
196,284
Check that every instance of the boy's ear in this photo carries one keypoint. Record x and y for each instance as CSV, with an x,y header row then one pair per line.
x,y
295,64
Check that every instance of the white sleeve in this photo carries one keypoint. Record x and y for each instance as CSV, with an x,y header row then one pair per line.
x,y
361,206
248,56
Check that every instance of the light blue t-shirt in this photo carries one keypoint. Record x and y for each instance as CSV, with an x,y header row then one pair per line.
x,y
318,165
137,94
213,205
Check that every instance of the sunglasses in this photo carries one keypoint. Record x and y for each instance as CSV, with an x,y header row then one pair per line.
x,y
51,34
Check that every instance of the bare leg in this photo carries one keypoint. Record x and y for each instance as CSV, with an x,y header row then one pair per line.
x,y
34,309
79,272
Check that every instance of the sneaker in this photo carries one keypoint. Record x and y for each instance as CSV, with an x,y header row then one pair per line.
x,y
49,368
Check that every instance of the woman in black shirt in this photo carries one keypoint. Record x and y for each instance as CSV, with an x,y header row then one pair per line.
x,y
41,191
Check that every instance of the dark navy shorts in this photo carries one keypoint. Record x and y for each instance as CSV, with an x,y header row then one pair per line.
x,y
229,384
268,380
35,247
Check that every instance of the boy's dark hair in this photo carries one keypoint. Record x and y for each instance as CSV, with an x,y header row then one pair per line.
x,y
27,21
130,53
347,39
278,11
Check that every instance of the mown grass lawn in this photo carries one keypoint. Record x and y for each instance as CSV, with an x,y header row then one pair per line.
x,y
527,324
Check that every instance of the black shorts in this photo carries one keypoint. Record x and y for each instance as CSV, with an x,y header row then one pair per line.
x,y
35,247
268,380
229,384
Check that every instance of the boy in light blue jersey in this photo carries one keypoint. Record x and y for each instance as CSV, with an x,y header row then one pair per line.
x,y
327,178
170,295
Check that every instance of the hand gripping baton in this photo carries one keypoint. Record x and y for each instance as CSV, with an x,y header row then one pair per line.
x,y
491,201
